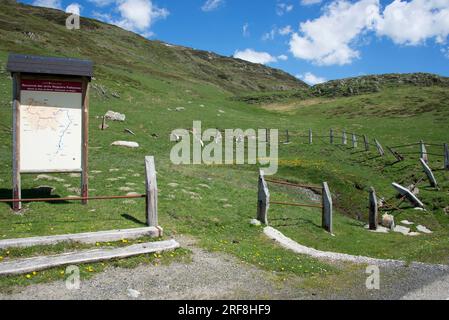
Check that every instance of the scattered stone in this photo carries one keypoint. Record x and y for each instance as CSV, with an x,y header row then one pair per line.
x,y
388,221
114,170
202,185
423,229
226,206
115,116
419,209
173,184
133,293
75,175
413,234
128,144
125,189
406,222
221,111
180,109
96,171
413,189
380,229
255,222
401,229
67,185
49,178
112,179
136,175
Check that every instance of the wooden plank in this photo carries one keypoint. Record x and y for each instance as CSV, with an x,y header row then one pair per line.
x,y
263,199
408,195
366,142
327,208
28,265
151,192
446,156
16,181
423,151
379,148
373,210
88,237
429,174
85,142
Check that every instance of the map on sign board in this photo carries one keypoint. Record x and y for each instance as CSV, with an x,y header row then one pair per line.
x,y
50,126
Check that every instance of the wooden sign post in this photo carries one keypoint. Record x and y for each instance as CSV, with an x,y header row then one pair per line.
x,y
50,118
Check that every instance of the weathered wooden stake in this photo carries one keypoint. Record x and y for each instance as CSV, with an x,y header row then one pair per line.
x,y
429,174
331,136
263,199
379,148
287,136
446,156
366,142
16,181
396,154
344,138
151,192
267,140
354,141
423,150
85,139
408,195
327,208
373,210
103,123
310,136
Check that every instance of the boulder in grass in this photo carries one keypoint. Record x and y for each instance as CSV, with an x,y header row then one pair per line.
x,y
115,116
388,221
128,144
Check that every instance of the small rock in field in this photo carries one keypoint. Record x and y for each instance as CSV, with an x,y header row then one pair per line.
x,y
173,184
413,189
413,234
115,116
180,109
255,222
96,171
114,170
401,229
380,229
202,185
127,144
423,229
227,206
406,222
419,209
75,175
133,293
388,221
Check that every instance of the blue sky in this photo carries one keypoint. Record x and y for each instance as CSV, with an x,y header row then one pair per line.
x,y
315,40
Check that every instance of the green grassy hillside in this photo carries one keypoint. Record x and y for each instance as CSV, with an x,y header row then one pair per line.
x,y
148,80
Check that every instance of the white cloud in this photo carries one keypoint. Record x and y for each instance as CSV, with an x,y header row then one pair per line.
x,y
413,22
445,52
269,35
282,57
255,56
310,2
310,78
138,15
283,8
73,8
245,30
211,5
328,39
285,31
56,4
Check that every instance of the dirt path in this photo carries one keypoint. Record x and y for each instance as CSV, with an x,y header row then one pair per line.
x,y
220,276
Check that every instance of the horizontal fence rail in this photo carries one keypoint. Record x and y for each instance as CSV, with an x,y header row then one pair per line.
x,y
75,198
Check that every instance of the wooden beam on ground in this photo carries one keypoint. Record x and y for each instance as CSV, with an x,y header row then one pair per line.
x,y
263,199
87,237
429,174
396,154
21,266
379,148
423,151
408,195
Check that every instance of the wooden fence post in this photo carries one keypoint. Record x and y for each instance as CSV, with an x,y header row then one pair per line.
x,y
151,192
429,174
331,136
446,156
379,148
423,150
327,208
373,210
310,136
263,199
344,138
365,141
267,140
16,179
354,141
287,136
